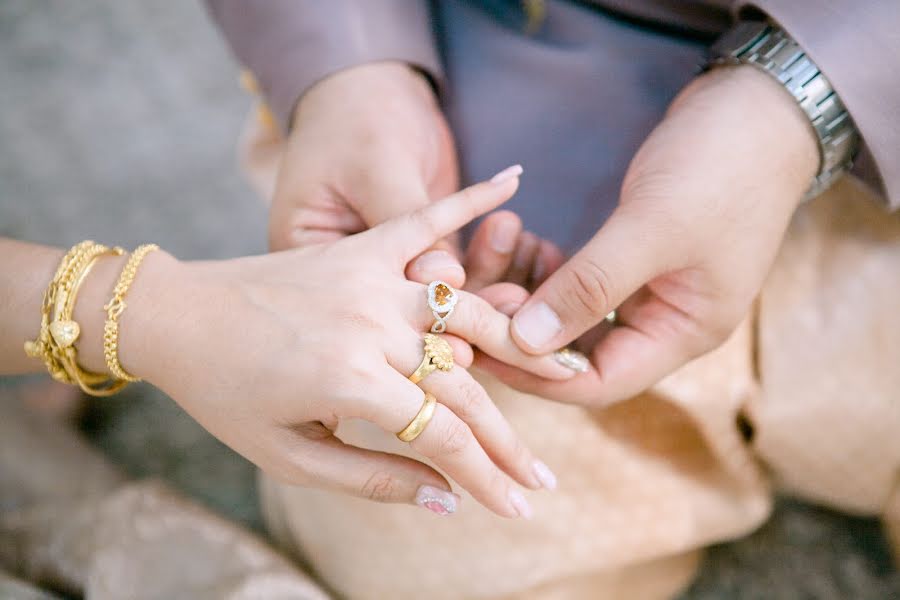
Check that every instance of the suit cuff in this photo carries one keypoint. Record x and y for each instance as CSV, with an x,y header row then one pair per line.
x,y
289,45
860,62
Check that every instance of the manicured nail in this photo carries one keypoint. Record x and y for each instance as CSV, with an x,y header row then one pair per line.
x,y
537,324
572,359
436,500
507,174
503,237
520,504
436,261
544,475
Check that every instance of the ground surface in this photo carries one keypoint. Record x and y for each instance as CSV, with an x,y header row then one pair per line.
x,y
118,122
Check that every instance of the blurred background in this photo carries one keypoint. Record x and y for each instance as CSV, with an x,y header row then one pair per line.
x,y
118,122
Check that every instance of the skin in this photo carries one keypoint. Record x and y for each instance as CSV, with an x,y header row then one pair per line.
x,y
271,353
370,143
707,197
702,212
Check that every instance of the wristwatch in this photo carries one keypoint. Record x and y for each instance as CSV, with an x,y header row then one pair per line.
x,y
769,48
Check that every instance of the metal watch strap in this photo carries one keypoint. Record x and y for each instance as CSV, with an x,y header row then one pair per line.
x,y
771,49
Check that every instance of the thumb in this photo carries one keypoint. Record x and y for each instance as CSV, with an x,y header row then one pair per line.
x,y
617,261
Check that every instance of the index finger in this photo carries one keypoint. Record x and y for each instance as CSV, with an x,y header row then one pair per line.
x,y
407,236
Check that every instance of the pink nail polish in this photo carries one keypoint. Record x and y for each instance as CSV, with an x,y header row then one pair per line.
x,y
507,174
544,475
436,500
520,504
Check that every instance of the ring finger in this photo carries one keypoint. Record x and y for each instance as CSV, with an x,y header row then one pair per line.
x,y
477,322
447,441
469,401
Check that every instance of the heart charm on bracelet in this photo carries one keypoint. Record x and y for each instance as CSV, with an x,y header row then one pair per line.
x,y
64,332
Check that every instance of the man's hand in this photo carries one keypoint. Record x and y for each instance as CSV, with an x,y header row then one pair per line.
x,y
367,144
703,209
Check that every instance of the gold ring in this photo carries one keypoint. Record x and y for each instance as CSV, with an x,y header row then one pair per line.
x,y
438,355
420,421
442,299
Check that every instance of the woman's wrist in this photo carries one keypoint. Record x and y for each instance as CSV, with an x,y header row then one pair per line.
x,y
146,311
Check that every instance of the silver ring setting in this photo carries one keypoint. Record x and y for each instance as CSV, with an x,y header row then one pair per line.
x,y
442,299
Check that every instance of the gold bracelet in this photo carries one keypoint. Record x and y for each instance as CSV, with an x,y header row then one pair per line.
x,y
44,346
95,384
115,307
59,332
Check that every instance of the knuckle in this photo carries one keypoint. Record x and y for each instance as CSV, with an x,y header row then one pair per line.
x,y
294,470
718,331
479,317
380,487
360,319
709,334
471,400
425,222
498,483
590,289
454,439
521,455
349,379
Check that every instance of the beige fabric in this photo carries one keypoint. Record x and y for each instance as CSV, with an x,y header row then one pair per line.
x,y
646,483
829,348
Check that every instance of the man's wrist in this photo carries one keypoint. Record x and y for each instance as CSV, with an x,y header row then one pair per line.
x,y
360,80
761,117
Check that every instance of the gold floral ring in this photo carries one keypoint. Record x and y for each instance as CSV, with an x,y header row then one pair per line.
x,y
438,355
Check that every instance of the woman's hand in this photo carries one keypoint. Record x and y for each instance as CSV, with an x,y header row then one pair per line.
x,y
271,353
702,212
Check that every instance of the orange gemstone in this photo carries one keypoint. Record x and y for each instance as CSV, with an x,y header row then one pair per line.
x,y
442,294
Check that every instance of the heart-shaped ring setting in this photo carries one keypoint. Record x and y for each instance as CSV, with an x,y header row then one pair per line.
x,y
442,299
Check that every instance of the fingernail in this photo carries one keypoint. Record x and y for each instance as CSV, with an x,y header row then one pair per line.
x,y
544,475
437,260
507,174
520,504
572,359
503,238
537,324
436,500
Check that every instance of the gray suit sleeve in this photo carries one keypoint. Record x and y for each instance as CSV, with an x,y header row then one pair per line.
x,y
856,45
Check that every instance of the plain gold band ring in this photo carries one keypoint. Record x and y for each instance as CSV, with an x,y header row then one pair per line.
x,y
420,421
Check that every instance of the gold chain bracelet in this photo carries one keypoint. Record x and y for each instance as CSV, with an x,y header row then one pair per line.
x,y
114,309
59,332
44,346
95,384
